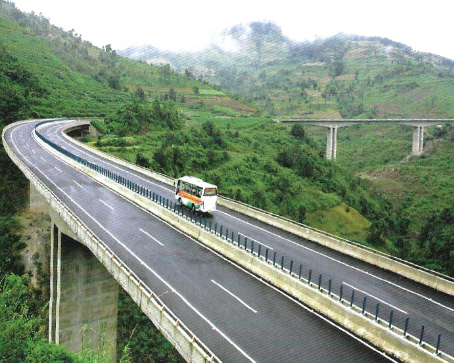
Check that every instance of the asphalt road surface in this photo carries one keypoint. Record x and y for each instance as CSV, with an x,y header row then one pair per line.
x,y
237,316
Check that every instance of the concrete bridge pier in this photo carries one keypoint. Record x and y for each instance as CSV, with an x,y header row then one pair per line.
x,y
83,297
83,294
331,143
418,140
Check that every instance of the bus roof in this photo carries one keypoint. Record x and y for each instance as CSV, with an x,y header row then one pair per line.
x,y
197,181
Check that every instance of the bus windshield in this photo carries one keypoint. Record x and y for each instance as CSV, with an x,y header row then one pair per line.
x,y
210,192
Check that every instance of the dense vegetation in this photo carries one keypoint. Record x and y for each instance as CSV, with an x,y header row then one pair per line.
x,y
171,119
342,76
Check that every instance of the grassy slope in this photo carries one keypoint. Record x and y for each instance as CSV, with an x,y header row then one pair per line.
x,y
66,92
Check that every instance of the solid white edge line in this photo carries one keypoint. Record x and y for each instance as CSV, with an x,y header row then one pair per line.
x,y
347,265
376,298
271,286
253,239
108,162
140,260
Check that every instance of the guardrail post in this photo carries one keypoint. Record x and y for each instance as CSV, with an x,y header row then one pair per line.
x,y
266,255
239,240
274,258
406,325
438,344
233,237
330,284
220,231
245,244
341,292
301,270
260,250
353,298
377,310
422,335
291,267
215,228
391,313
252,246
364,304
226,233
320,281
309,278
282,263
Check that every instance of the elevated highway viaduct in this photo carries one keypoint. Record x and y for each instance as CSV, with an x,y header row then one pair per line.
x,y
417,125
239,317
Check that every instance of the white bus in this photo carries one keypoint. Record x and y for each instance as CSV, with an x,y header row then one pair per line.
x,y
196,194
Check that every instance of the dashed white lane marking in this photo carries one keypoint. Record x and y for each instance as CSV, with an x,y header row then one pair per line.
x,y
107,205
149,235
234,296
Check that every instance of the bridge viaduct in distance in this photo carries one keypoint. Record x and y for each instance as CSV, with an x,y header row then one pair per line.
x,y
75,276
332,126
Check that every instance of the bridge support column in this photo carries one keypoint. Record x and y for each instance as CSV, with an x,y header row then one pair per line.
x,y
418,140
331,143
83,297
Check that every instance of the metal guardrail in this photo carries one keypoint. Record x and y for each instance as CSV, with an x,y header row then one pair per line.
x,y
168,180
257,250
356,244
193,340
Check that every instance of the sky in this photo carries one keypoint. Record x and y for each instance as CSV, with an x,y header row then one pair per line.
x,y
191,25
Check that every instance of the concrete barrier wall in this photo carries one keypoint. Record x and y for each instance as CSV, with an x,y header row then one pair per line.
x,y
423,276
403,268
389,340
189,346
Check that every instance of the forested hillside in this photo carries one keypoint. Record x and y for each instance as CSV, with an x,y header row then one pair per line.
x,y
349,76
342,76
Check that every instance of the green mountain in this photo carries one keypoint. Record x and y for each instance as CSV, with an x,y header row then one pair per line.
x,y
202,114
342,76
47,72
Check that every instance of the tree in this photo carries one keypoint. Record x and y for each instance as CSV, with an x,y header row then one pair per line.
x,y
20,340
297,131
140,94
142,160
301,213
436,241
172,94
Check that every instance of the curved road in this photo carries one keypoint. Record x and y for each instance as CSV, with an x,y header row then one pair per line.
x,y
421,304
239,317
